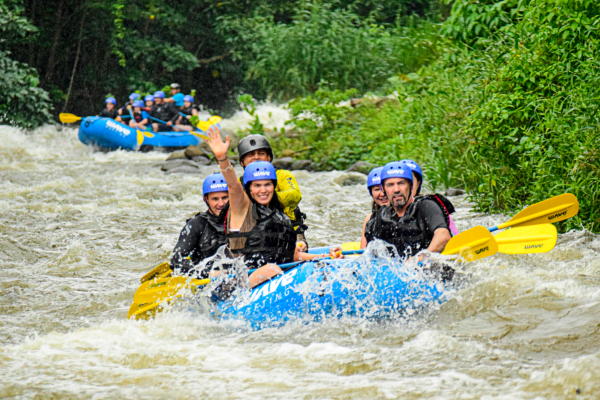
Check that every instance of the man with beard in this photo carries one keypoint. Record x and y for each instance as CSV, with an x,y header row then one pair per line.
x,y
409,224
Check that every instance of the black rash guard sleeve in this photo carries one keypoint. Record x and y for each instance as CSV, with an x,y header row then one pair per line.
x,y
109,114
433,217
189,241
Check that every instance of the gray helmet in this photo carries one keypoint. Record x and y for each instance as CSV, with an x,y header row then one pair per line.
x,y
175,86
254,142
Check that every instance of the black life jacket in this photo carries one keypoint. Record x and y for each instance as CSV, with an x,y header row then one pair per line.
x,y
213,235
272,240
113,114
186,111
299,216
164,111
408,233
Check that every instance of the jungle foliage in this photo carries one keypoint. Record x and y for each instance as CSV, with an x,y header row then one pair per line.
x,y
508,110
498,97
22,102
82,50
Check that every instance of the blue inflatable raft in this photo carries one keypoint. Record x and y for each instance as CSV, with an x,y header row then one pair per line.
x,y
112,135
311,291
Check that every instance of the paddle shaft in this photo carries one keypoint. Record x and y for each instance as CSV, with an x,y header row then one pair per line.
x,y
163,122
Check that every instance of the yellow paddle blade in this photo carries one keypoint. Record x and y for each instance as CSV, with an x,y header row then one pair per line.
x,y
148,134
67,118
350,246
204,126
142,311
555,209
140,137
215,119
157,290
527,239
158,270
472,244
199,135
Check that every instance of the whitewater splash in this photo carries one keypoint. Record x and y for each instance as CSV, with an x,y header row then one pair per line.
x,y
79,228
272,116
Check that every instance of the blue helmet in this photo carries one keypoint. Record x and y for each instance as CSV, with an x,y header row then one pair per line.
x,y
258,171
160,94
149,98
188,98
374,178
416,169
138,103
214,183
133,96
396,169
111,100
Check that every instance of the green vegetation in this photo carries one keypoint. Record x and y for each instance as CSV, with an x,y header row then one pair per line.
x,y
22,102
536,131
498,97
507,110
85,49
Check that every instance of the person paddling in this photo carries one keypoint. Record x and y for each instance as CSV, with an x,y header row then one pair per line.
x,y
109,111
189,110
166,112
256,225
257,148
124,111
379,199
445,203
410,224
140,116
149,100
205,233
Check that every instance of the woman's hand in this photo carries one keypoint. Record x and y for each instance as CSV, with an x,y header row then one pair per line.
x,y
336,252
216,144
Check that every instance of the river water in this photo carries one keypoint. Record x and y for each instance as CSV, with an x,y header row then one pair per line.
x,y
78,229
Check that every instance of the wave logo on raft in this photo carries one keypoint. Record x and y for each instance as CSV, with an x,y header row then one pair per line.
x,y
262,173
395,171
534,246
219,186
557,215
486,248
118,127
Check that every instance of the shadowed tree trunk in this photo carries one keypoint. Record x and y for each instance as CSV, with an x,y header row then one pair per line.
x,y
76,61
51,62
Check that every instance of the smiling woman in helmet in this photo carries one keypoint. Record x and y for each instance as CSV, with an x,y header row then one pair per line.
x,y
256,148
257,227
379,199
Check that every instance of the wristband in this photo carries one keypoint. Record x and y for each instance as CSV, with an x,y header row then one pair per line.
x,y
225,159
229,167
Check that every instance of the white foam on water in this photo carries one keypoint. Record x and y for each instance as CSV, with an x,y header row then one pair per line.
x,y
272,116
78,228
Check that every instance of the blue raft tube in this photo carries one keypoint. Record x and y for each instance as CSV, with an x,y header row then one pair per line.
x,y
373,286
109,134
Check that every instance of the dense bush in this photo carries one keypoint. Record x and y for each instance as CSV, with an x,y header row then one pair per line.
x,y
474,22
536,133
333,46
418,120
22,102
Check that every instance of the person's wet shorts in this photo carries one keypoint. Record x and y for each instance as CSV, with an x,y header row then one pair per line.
x,y
164,128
